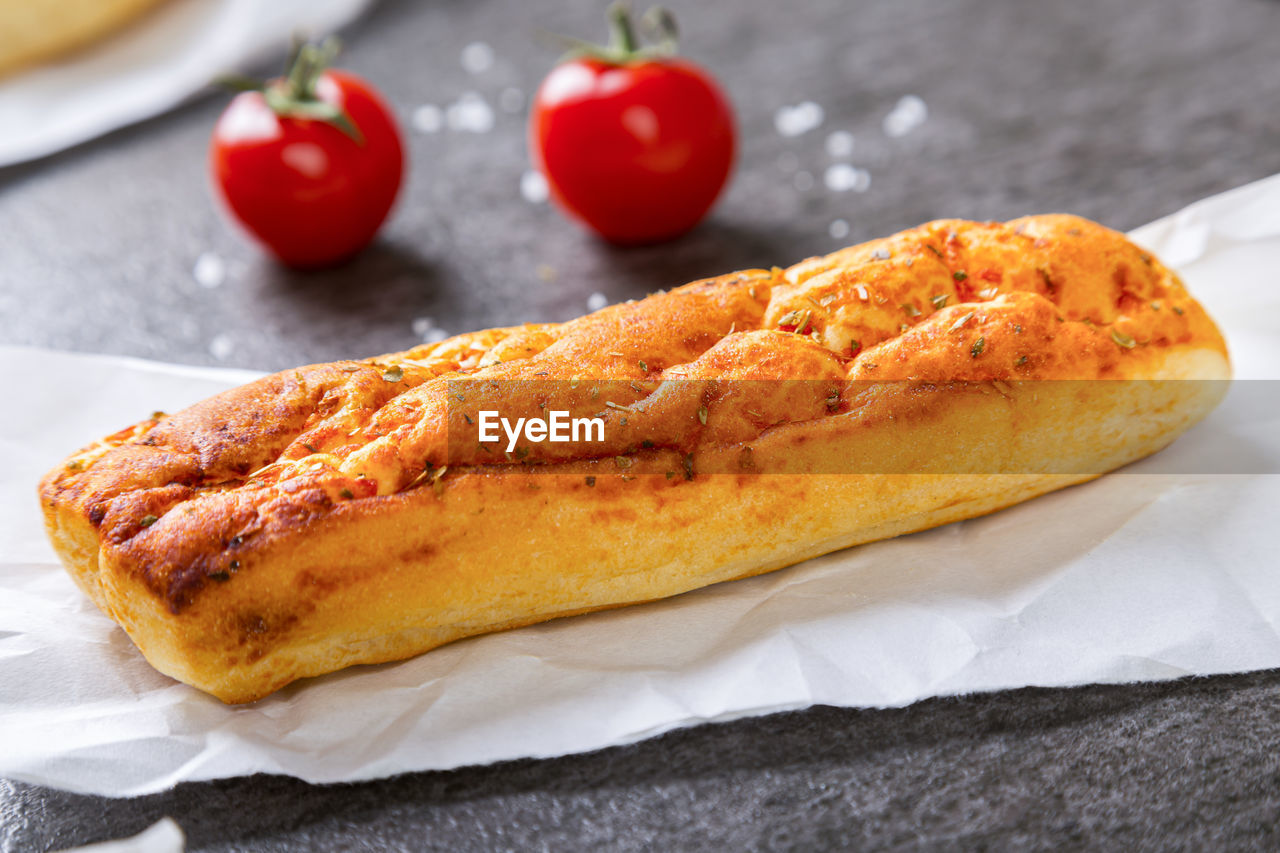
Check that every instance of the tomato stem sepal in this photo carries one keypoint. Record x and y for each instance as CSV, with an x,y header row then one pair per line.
x,y
294,95
657,26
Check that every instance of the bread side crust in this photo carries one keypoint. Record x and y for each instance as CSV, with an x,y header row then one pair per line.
x,y
409,572
239,582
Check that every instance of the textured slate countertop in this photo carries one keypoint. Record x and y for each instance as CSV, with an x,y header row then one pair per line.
x,y
1119,112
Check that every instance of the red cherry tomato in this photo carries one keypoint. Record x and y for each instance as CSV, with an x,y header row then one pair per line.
x,y
634,145
312,190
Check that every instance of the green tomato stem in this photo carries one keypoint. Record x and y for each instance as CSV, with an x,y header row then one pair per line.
x,y
622,35
658,26
294,94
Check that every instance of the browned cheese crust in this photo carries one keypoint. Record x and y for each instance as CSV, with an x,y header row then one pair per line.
x,y
316,518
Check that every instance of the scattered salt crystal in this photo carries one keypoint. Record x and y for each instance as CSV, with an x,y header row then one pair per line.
x,y
435,336
477,57
788,161
422,325
428,119
209,270
838,229
511,100
221,347
596,301
533,186
839,144
470,113
842,177
802,118
803,181
909,113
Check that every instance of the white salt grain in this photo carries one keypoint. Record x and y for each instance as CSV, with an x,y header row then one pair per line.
x,y
842,177
428,118
802,118
422,325
477,57
533,186
839,144
435,336
596,301
471,113
221,347
838,229
909,113
209,270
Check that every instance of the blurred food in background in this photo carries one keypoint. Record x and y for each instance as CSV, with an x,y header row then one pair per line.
x,y
156,55
35,31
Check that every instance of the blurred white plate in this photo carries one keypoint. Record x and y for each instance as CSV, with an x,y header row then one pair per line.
x,y
150,66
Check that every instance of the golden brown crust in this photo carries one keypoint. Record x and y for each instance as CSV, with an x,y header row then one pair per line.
x,y
322,517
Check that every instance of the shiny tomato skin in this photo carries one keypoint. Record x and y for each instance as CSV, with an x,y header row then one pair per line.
x,y
639,151
311,194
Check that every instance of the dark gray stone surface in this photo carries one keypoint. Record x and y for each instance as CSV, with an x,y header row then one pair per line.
x,y
1183,765
1120,112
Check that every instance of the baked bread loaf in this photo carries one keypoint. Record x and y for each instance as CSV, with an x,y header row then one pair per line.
x,y
345,513
34,31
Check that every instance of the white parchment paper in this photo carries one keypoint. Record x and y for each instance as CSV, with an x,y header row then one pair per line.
x,y
150,66
1144,574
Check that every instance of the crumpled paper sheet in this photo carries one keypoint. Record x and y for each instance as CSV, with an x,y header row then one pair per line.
x,y
149,66
1166,569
